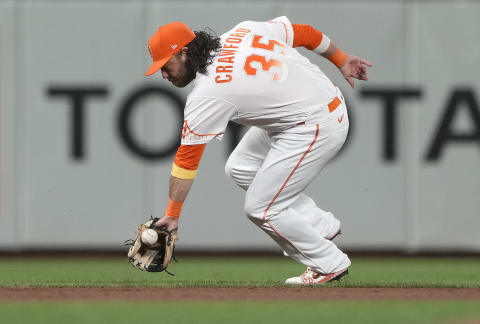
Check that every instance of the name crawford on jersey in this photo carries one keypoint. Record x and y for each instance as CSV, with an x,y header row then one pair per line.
x,y
223,73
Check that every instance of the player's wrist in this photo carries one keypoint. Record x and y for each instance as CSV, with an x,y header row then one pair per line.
x,y
174,208
338,58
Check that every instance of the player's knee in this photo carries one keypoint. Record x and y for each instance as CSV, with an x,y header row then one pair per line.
x,y
242,178
230,169
233,169
253,208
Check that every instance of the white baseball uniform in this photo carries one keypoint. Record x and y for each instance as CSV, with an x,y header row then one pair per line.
x,y
299,122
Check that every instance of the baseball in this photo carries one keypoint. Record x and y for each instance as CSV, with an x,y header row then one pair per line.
x,y
149,237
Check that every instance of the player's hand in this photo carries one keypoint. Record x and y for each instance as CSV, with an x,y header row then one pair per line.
x,y
355,67
170,222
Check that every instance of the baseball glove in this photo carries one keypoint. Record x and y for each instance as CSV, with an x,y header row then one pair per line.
x,y
156,257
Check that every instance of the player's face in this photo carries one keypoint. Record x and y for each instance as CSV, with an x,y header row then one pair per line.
x,y
178,70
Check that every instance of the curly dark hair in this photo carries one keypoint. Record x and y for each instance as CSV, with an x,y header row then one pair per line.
x,y
202,50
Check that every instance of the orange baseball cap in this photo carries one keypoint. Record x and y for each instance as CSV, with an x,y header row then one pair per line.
x,y
168,40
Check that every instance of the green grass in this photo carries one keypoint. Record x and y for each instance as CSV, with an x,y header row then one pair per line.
x,y
231,272
241,312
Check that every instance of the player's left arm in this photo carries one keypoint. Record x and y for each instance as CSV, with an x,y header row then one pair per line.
x,y
350,66
184,170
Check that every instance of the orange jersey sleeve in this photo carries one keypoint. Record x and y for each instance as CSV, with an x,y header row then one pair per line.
x,y
306,36
186,161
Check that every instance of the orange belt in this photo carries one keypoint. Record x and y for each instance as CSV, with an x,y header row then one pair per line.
x,y
334,104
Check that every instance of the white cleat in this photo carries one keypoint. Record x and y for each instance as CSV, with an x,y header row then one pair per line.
x,y
310,277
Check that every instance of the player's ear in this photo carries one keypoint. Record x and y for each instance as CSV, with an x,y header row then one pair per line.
x,y
183,53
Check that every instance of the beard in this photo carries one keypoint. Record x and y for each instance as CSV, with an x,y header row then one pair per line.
x,y
186,75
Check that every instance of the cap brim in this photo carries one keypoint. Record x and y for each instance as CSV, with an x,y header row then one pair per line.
x,y
157,65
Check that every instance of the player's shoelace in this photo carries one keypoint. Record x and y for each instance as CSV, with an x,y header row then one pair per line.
x,y
307,276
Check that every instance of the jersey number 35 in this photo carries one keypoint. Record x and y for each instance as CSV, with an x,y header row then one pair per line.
x,y
280,69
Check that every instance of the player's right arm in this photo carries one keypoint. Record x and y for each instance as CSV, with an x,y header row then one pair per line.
x,y
205,118
184,170
350,66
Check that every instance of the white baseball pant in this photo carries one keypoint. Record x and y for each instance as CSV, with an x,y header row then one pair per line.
x,y
275,169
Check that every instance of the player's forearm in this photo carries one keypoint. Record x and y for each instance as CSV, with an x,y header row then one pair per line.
x,y
184,170
335,55
179,188
332,48
312,39
178,192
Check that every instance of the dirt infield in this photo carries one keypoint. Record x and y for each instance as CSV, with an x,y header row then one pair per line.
x,y
218,294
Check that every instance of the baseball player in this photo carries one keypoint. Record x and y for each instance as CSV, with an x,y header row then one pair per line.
x,y
253,75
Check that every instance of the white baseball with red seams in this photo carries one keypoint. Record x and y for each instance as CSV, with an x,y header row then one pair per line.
x,y
299,122
149,237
